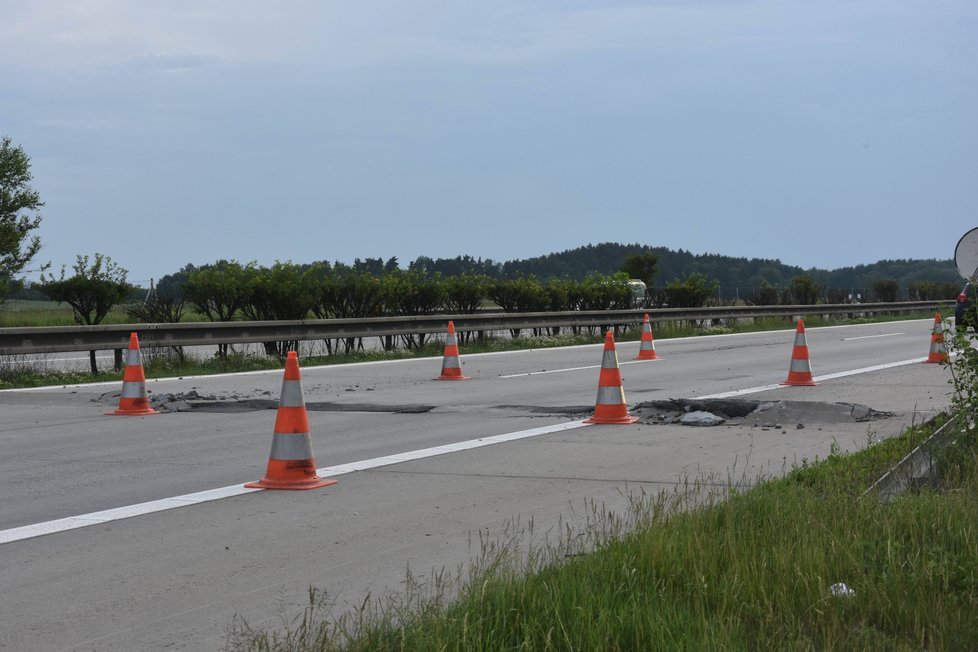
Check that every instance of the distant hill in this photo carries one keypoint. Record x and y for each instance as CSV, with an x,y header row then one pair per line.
x,y
737,276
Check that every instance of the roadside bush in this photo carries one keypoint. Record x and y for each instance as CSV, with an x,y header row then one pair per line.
x,y
91,292
601,292
280,292
886,289
519,295
464,293
409,293
346,296
927,291
217,291
767,295
806,291
690,291
161,306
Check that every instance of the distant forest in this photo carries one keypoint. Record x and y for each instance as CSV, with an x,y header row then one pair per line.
x,y
737,276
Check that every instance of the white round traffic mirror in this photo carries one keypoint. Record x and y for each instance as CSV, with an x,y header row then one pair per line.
x,y
966,254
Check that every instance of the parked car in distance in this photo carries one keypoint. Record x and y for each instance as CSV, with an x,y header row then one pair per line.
x,y
964,310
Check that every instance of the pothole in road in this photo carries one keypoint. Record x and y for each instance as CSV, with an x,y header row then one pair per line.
x,y
691,412
764,414
194,402
731,412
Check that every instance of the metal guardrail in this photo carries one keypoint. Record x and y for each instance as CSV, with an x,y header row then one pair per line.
x,y
919,466
26,340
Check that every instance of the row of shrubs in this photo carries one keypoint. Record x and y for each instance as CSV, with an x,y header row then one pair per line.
x,y
803,290
229,290
226,291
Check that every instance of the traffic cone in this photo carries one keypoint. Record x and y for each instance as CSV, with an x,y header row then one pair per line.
x,y
800,371
647,350
290,464
610,406
451,367
938,347
133,401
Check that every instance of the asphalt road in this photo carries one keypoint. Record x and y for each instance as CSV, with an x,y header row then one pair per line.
x,y
174,579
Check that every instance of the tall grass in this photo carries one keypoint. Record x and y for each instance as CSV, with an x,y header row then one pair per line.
x,y
748,570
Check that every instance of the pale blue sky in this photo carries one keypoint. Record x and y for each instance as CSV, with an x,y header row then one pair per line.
x,y
823,134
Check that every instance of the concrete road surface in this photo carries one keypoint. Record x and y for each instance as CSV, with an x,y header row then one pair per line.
x,y
174,579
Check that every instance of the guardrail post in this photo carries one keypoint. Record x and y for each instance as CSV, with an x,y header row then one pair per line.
x,y
117,360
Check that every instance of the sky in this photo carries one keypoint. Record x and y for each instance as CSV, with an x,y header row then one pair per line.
x,y
822,134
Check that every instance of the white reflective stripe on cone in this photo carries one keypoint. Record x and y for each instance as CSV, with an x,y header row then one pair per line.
x,y
291,447
611,396
291,394
451,363
799,365
133,390
132,358
609,360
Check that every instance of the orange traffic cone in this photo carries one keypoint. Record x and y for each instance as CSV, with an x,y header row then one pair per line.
x,y
610,406
647,350
290,464
451,367
800,371
133,401
938,347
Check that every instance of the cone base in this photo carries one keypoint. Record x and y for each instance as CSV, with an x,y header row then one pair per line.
x,y
799,383
647,356
295,485
625,420
937,360
443,377
132,413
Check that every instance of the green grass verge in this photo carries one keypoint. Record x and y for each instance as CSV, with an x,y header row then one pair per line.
x,y
17,372
745,571
18,313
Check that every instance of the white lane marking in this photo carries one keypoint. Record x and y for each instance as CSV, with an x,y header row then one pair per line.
x,y
117,513
738,392
832,376
866,370
869,337
551,371
128,511
557,371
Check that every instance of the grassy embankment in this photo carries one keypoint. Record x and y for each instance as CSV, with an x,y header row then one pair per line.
x,y
742,571
34,372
